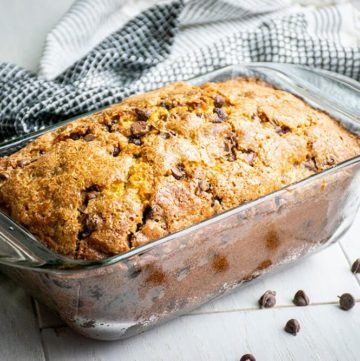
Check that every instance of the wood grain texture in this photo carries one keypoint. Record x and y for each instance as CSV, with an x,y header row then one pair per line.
x,y
19,332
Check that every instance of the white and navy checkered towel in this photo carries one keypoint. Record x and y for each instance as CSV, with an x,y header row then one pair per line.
x,y
105,50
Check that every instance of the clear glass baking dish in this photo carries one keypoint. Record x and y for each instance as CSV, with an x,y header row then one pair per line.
x,y
124,295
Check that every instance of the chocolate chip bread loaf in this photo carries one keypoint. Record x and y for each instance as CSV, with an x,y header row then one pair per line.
x,y
162,161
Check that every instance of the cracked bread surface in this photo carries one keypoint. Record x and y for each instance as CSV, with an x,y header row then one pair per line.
x,y
161,161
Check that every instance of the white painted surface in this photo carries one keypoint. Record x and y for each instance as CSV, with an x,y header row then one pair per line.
x,y
324,335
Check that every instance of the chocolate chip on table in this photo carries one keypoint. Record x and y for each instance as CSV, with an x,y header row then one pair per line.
x,y
268,299
346,301
143,114
218,101
89,137
139,128
355,268
22,163
292,327
221,115
248,357
135,141
301,298
116,151
178,172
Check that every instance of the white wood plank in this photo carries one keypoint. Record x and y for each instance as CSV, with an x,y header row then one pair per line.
x,y
327,333
323,276
19,334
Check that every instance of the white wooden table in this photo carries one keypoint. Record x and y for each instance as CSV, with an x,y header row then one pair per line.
x,y
222,330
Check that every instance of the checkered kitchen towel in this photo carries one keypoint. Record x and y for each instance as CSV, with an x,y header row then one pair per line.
x,y
105,50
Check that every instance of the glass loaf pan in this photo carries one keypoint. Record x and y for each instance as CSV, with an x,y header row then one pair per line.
x,y
124,295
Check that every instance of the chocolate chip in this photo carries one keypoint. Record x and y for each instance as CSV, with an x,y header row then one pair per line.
x,y
310,164
135,141
89,137
355,268
292,327
221,115
22,163
262,116
268,299
116,151
248,357
84,234
281,129
147,214
138,129
218,101
216,201
330,161
230,146
230,142
93,188
346,301
75,136
108,127
178,172
166,105
115,118
91,195
143,114
301,298
4,176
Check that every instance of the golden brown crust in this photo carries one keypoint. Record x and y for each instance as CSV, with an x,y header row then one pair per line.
x,y
159,162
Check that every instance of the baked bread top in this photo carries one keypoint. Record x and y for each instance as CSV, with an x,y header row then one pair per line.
x,y
162,161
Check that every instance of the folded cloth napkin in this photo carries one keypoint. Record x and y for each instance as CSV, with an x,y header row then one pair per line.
x,y
105,50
